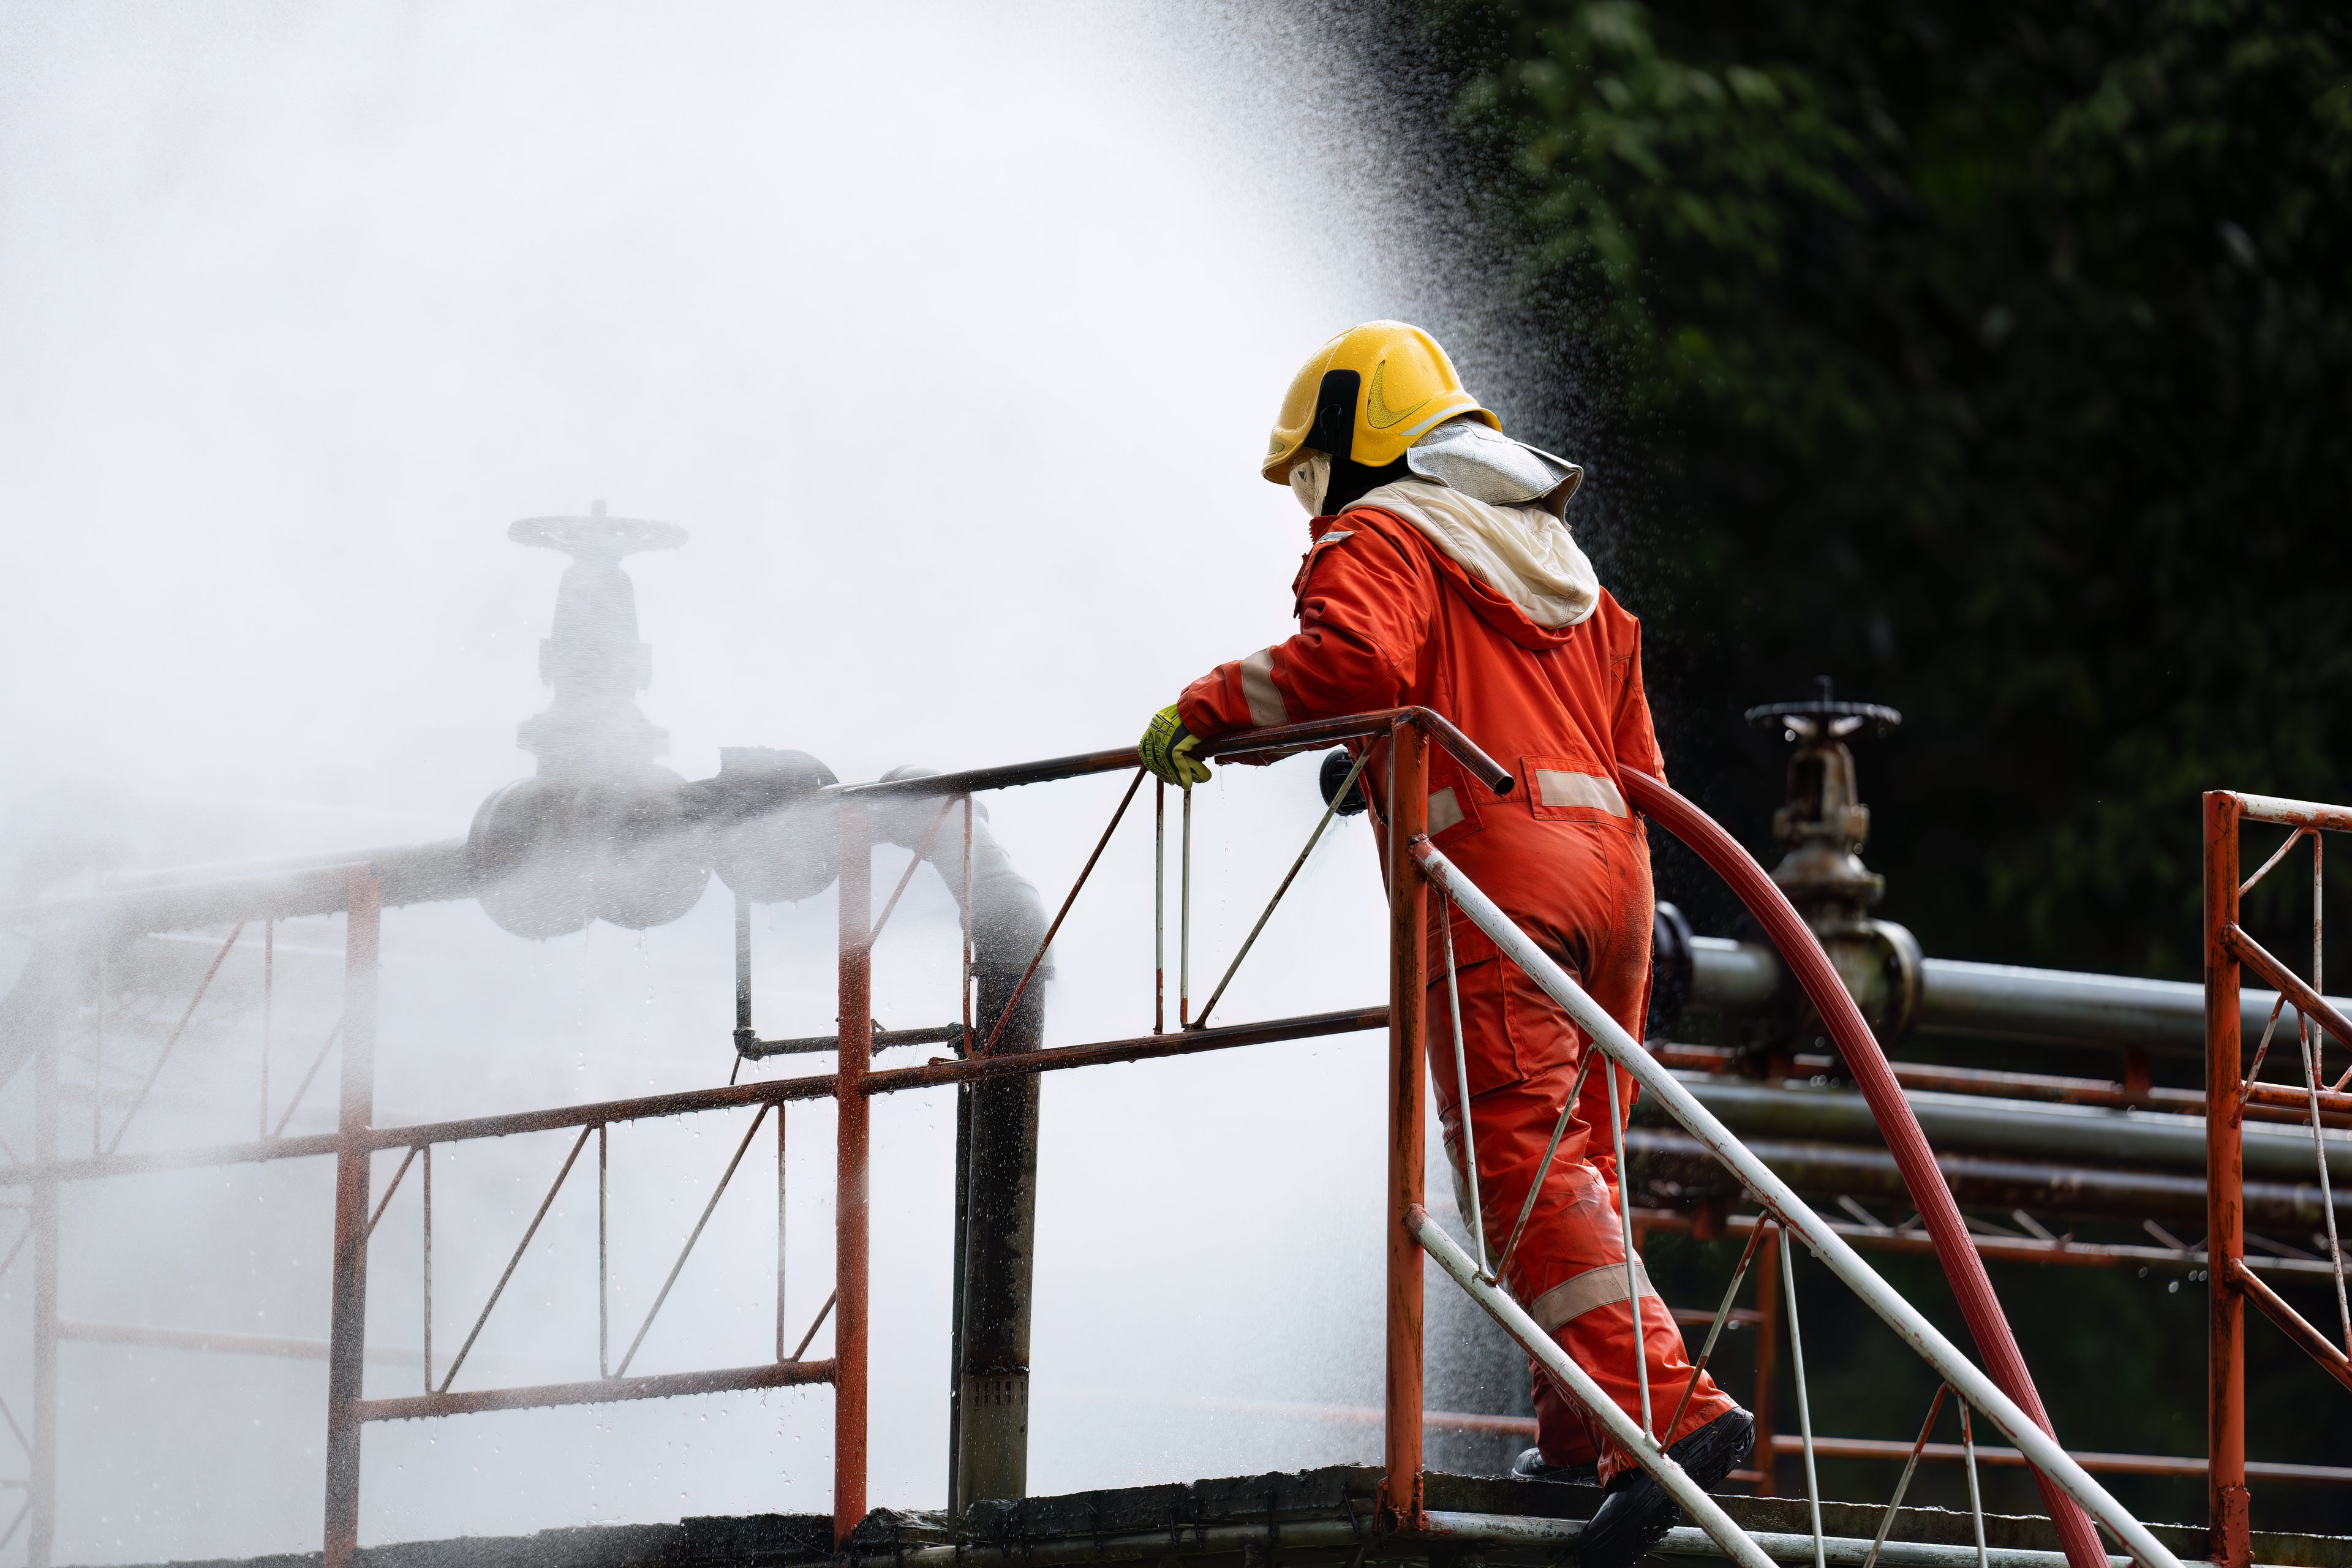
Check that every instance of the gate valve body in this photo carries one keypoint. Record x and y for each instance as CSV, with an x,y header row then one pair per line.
x,y
600,831
1823,827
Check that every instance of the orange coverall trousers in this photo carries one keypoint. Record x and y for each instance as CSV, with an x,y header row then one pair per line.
x,y
1568,1270
1386,619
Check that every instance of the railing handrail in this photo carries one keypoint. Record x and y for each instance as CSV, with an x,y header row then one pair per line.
x,y
2038,1446
1410,730
692,1102
2284,813
1240,743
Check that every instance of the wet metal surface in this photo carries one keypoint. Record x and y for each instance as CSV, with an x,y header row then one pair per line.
x,y
1310,1518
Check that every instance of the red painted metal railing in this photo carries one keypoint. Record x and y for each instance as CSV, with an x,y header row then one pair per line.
x,y
2230,1284
1404,734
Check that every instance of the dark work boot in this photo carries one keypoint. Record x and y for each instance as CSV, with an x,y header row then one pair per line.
x,y
1531,1465
1637,1512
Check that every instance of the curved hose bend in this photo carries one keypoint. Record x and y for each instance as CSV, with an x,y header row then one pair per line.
x,y
1962,1267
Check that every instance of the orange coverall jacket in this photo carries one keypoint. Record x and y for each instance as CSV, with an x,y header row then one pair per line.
x,y
1387,620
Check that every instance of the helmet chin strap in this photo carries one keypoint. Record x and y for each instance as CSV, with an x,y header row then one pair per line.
x,y
1325,484
1334,432
1351,481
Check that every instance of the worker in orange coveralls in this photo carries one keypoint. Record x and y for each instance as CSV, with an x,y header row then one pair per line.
x,y
1439,573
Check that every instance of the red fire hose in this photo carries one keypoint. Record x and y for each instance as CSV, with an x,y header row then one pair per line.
x,y
1913,1157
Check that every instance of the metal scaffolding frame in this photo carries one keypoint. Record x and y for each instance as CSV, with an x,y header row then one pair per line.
x,y
1402,738
2232,1086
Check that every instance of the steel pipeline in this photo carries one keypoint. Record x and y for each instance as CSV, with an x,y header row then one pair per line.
x,y
2005,1001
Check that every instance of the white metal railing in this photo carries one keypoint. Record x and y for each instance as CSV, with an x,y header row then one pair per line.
x,y
1965,1377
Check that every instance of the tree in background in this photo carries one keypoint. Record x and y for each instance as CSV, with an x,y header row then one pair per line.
x,y
1996,359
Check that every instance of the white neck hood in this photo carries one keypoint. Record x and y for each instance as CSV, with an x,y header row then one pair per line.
x,y
1523,552
1492,504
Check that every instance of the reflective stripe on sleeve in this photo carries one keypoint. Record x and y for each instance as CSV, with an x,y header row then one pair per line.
x,y
1554,788
1594,1289
1258,689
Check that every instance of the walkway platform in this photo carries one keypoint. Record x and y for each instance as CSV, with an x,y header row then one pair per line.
x,y
1308,1519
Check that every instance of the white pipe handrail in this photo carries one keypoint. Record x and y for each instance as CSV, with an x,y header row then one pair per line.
x,y
1580,1385
2040,1450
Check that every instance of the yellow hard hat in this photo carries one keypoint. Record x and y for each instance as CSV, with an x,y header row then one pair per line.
x,y
1367,395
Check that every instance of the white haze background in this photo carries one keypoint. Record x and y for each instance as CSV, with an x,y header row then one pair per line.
x,y
952,333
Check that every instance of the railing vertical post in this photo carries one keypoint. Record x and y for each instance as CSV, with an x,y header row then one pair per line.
x,y
956,1289
347,1330
782,1331
40,1540
850,1221
2225,1397
1408,814
1768,1354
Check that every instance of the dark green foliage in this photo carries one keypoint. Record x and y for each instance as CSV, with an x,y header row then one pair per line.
x,y
1997,361
1992,359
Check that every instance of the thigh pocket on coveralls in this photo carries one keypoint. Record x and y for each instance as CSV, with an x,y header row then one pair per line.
x,y
1511,1030
1571,789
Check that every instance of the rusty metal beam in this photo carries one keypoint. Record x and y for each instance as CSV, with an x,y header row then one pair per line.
x,y
409,874
884,1040
1138,1049
2270,809
2290,985
597,1391
2228,1519
2104,1464
2001,1248
2293,1324
1401,1502
1321,733
213,1340
347,1306
852,1189
651,1107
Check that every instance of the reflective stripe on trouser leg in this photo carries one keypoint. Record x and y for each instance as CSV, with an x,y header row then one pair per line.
x,y
1597,1341
1569,1270
1588,1291
1522,1054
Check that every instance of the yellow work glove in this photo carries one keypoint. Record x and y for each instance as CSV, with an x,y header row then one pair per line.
x,y
1167,747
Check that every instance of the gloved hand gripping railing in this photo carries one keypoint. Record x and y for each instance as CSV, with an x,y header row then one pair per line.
x,y
2040,1447
1288,738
